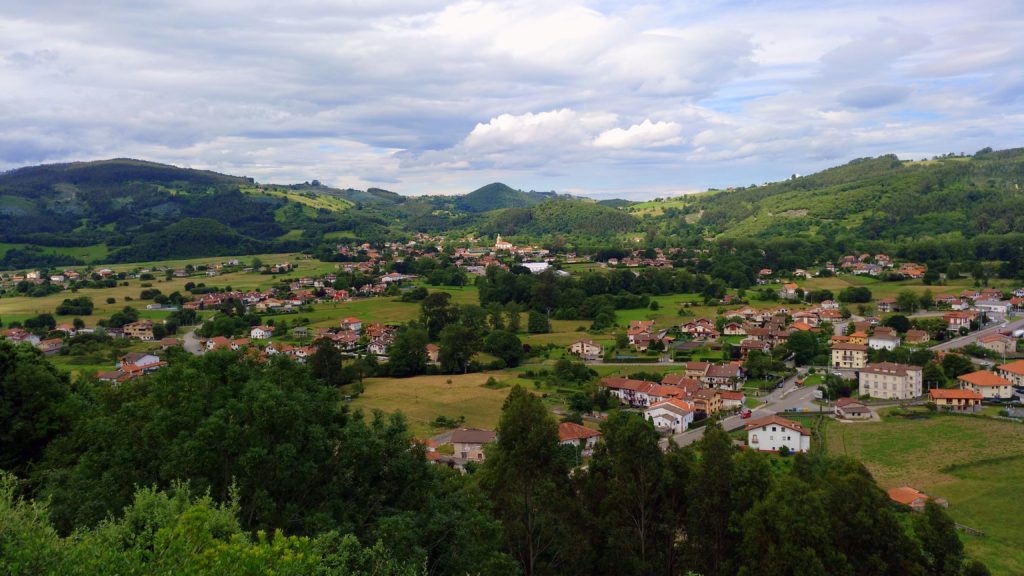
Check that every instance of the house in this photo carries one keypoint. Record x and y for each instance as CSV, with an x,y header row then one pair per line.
x,y
884,339
137,359
850,409
586,349
959,319
469,443
915,499
734,329
993,306
673,415
999,343
728,376
887,305
1014,372
141,330
629,391
579,437
261,332
849,356
707,400
770,434
168,342
433,353
789,291
917,337
858,337
687,384
50,346
697,369
732,400
890,381
113,376
352,323
500,244
954,400
988,384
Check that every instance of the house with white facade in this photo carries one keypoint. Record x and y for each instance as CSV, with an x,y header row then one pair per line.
x,y
673,415
770,434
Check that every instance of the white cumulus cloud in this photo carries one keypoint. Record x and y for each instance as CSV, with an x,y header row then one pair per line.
x,y
647,134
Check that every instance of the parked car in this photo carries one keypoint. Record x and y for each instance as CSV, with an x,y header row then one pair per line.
x,y
745,413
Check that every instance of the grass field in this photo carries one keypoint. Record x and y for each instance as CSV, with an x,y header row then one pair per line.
x,y
423,398
975,463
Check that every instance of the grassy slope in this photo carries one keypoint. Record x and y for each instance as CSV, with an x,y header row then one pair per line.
x,y
975,463
423,398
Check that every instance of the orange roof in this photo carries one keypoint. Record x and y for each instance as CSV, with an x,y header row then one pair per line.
x,y
905,495
984,378
944,394
1015,367
776,419
730,395
572,431
681,404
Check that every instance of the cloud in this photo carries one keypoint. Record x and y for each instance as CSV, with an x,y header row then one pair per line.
x,y
644,135
433,96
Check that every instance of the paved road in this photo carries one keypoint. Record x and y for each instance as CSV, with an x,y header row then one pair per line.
x,y
191,342
973,336
790,396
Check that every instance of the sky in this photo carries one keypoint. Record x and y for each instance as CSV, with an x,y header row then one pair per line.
x,y
606,99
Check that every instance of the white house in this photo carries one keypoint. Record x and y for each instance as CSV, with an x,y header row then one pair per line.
x,y
586,349
770,434
572,434
261,332
883,339
672,414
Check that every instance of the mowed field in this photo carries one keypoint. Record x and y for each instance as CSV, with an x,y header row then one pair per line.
x,y
423,398
976,463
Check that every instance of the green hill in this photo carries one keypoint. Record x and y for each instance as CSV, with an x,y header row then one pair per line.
x,y
880,198
495,197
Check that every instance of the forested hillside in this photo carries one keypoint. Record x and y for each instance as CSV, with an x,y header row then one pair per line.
x,y
880,198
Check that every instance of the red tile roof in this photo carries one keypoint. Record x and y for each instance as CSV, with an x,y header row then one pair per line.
x,y
984,378
572,431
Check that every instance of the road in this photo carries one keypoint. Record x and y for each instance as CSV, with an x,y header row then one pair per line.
x,y
973,336
790,396
190,342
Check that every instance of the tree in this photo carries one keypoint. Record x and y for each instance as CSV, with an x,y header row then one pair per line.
x,y
898,322
34,405
408,353
855,295
933,375
538,323
625,481
804,346
943,550
758,365
711,539
907,301
927,300
326,363
930,277
513,311
954,365
527,480
504,345
436,312
458,345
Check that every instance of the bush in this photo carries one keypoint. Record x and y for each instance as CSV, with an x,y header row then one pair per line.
x,y
111,300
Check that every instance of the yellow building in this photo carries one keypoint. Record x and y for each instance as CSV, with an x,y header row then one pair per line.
x,y
849,356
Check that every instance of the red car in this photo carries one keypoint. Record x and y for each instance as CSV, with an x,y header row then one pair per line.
x,y
746,413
